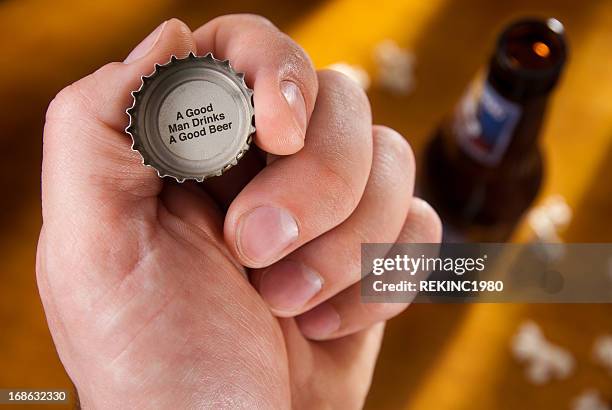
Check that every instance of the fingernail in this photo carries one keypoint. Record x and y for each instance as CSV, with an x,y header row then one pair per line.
x,y
287,285
320,322
146,45
264,233
296,101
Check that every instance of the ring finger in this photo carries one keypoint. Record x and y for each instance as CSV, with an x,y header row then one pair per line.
x,y
345,313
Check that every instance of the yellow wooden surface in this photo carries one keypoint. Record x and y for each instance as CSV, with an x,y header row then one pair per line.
x,y
434,356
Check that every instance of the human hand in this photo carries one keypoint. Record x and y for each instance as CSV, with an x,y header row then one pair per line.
x,y
143,280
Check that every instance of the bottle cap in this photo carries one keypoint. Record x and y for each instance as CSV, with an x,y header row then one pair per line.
x,y
192,118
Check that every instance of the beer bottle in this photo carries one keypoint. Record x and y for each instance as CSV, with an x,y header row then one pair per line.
x,y
483,167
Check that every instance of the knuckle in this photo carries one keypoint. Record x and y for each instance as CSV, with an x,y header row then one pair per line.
x,y
179,24
345,147
64,104
83,95
428,220
248,18
346,89
111,67
395,145
295,54
294,60
258,19
348,113
394,157
99,76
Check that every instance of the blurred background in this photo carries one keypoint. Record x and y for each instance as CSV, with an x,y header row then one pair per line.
x,y
433,356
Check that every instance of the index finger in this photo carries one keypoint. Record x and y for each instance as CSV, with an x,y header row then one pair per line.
x,y
279,71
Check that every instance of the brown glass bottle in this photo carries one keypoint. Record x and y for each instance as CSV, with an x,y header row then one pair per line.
x,y
483,167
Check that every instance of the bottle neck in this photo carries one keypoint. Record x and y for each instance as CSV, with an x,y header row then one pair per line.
x,y
526,133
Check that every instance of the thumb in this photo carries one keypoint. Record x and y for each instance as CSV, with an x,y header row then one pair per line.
x,y
88,166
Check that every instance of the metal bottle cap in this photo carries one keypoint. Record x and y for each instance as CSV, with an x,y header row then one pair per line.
x,y
192,118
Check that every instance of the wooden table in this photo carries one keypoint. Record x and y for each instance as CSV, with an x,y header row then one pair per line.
x,y
434,356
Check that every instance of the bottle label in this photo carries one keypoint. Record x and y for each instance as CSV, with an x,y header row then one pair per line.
x,y
484,124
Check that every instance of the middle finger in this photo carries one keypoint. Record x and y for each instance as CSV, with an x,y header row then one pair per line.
x,y
299,197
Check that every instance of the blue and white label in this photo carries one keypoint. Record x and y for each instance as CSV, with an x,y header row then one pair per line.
x,y
484,125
